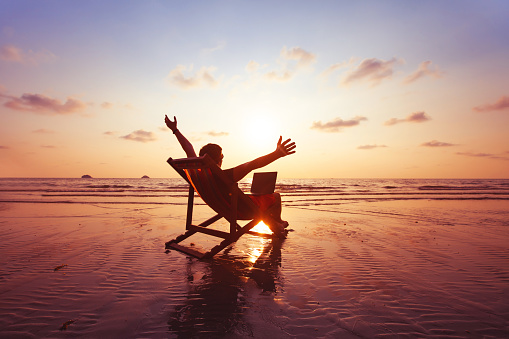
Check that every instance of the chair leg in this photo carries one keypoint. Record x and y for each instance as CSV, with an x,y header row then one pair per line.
x,y
241,231
187,234
178,239
218,248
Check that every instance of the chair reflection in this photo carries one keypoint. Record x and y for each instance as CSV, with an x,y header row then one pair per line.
x,y
215,302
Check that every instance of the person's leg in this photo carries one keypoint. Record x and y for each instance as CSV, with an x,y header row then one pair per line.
x,y
270,206
275,209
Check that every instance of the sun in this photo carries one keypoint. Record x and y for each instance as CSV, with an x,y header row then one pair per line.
x,y
261,131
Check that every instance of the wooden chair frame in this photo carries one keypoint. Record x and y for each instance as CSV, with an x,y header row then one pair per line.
x,y
222,195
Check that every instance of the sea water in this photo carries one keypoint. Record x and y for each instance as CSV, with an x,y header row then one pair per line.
x,y
295,192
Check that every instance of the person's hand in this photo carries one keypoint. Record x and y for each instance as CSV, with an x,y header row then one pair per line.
x,y
285,148
171,124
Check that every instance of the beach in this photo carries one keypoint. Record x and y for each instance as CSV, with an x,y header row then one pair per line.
x,y
349,269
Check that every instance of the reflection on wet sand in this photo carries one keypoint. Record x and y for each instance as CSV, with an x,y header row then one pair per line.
x,y
215,301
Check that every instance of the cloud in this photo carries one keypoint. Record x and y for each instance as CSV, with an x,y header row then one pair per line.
x,y
416,117
291,61
11,53
106,105
337,66
252,66
43,131
41,104
201,78
370,146
110,133
372,70
48,146
337,124
483,155
282,76
303,58
4,147
435,143
423,70
140,136
217,134
218,47
500,104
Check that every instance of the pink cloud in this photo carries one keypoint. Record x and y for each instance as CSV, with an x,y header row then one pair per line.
x,y
425,69
337,124
43,131
41,104
365,147
140,136
372,70
435,143
217,134
337,66
500,104
416,117
303,58
291,61
201,78
11,53
483,155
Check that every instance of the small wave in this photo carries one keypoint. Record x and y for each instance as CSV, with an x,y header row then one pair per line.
x,y
99,202
456,188
115,195
109,186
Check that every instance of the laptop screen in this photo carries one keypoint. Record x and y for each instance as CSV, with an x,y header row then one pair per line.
x,y
263,182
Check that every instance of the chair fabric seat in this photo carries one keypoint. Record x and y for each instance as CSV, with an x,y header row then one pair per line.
x,y
216,193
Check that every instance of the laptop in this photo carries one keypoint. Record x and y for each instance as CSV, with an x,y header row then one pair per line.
x,y
263,182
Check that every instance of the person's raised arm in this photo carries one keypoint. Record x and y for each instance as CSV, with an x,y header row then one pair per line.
x,y
282,149
186,145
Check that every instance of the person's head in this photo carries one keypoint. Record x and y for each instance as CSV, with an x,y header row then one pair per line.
x,y
214,151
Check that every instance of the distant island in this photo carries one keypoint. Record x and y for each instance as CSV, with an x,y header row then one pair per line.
x,y
86,176
145,177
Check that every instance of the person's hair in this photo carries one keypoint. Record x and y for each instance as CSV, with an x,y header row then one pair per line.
x,y
214,151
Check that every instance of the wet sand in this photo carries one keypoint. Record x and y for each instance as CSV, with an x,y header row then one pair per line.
x,y
381,269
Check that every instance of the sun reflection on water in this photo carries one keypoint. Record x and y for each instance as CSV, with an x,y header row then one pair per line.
x,y
258,243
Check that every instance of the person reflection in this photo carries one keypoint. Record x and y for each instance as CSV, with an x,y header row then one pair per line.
x,y
215,303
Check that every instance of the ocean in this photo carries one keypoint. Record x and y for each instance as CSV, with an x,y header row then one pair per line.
x,y
295,192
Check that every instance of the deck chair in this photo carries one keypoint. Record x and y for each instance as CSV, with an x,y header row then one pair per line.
x,y
224,197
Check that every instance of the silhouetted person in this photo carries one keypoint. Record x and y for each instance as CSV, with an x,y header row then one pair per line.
x,y
268,203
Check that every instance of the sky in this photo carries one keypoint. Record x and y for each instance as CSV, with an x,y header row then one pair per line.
x,y
367,89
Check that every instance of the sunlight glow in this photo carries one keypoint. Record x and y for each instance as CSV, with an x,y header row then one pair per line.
x,y
261,130
261,227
